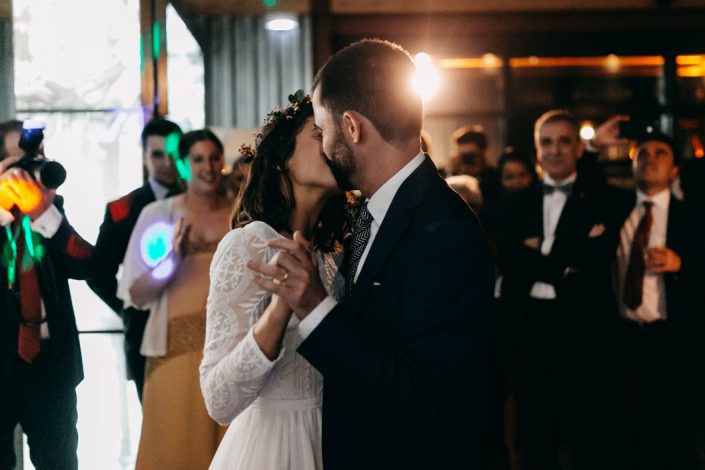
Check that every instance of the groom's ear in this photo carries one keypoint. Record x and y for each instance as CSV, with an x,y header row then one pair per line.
x,y
352,126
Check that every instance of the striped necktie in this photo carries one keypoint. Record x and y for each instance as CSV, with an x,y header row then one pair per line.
x,y
358,240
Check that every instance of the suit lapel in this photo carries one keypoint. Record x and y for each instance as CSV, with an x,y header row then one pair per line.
x,y
534,215
395,223
676,217
573,213
146,195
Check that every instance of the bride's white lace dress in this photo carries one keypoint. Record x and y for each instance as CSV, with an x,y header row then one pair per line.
x,y
273,407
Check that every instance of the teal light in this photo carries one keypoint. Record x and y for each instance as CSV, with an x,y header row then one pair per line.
x,y
9,257
27,229
156,243
171,145
156,40
183,168
141,54
270,3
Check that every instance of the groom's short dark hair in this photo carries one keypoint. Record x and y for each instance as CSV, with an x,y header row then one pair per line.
x,y
374,78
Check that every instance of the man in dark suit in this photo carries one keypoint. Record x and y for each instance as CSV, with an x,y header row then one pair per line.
x,y
404,353
40,364
160,140
659,275
554,260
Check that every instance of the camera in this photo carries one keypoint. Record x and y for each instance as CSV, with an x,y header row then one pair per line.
x,y
636,129
50,173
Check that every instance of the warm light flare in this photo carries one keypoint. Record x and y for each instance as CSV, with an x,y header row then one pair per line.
x,y
587,131
426,80
25,195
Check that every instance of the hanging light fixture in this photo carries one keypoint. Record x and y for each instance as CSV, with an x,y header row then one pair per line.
x,y
281,21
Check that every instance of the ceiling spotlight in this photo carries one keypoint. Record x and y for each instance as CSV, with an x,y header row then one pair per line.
x,y
281,22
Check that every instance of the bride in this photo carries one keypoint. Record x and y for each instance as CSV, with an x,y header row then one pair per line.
x,y
251,375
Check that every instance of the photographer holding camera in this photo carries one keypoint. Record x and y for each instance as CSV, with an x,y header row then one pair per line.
x,y
40,358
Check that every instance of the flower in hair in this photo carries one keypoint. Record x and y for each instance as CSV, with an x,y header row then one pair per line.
x,y
247,152
296,100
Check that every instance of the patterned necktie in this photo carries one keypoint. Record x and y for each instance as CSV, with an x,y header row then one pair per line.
x,y
29,339
634,278
358,240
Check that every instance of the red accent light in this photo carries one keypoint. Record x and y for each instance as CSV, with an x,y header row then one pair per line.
x,y
120,209
78,248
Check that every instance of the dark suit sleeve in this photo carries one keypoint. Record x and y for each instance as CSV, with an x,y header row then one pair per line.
x,y
69,250
108,254
514,257
444,315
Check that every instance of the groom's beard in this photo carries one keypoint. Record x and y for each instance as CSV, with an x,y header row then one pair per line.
x,y
342,162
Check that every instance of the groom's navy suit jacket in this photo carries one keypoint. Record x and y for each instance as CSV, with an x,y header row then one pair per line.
x,y
405,357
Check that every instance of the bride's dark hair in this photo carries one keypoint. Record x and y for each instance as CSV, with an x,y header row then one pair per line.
x,y
268,194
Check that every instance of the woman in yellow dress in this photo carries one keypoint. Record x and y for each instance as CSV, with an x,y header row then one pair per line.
x,y
166,271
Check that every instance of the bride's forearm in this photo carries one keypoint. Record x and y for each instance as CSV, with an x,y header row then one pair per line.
x,y
269,330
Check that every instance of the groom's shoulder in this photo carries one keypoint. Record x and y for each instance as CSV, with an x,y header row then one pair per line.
x,y
441,201
443,208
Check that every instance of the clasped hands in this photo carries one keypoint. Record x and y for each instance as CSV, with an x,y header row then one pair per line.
x,y
291,274
18,188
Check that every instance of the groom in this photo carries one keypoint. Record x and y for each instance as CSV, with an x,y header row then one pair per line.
x,y
404,354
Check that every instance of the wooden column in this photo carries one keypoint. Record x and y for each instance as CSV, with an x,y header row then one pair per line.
x,y
153,58
322,23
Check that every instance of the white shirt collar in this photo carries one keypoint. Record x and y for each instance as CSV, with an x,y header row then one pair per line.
x,y
661,199
379,203
158,189
549,181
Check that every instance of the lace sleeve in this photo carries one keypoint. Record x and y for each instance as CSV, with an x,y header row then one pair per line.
x,y
234,369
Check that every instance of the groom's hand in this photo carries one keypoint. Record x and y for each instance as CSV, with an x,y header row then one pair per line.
x,y
292,274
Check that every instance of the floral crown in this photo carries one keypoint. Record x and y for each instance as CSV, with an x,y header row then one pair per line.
x,y
297,101
245,154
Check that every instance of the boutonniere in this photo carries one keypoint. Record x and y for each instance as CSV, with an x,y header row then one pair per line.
x,y
353,203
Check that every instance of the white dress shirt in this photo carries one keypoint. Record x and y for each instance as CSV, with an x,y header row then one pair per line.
x,y
653,306
378,205
159,191
46,225
552,208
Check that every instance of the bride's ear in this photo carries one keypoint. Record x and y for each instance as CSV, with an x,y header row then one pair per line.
x,y
352,126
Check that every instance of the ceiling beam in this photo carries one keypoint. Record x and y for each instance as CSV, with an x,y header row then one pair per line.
x,y
238,7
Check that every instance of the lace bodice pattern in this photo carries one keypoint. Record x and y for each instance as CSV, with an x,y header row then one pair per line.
x,y
234,371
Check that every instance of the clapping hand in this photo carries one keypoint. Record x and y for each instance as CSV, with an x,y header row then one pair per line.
x,y
182,235
292,274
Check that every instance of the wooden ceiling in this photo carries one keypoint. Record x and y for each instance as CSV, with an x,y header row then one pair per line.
x,y
343,7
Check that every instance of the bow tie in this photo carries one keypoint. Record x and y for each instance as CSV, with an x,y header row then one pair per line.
x,y
566,188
